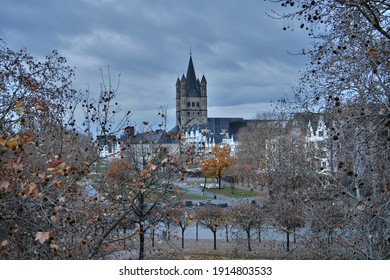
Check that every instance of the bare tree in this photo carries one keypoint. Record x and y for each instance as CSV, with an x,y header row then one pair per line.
x,y
348,80
211,217
246,218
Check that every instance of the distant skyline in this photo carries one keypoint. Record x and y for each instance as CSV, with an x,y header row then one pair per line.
x,y
243,53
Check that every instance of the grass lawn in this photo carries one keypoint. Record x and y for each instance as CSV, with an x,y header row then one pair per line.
x,y
235,193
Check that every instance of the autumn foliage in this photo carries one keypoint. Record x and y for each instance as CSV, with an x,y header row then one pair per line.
x,y
217,162
44,160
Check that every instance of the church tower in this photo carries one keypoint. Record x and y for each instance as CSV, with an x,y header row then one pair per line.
x,y
191,99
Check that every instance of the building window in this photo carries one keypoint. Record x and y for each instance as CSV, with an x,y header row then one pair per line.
x,y
193,104
188,104
197,104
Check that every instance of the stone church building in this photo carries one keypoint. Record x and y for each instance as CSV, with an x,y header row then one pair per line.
x,y
191,99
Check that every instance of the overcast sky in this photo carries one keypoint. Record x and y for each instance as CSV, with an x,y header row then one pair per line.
x,y
243,53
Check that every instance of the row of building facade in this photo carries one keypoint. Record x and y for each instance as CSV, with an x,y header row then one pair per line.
x,y
197,129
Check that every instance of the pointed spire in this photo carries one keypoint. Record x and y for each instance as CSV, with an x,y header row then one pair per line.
x,y
203,81
192,89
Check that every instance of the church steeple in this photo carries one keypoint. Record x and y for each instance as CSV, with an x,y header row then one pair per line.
x,y
192,85
191,99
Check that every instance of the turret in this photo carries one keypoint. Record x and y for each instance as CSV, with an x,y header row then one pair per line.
x,y
178,88
203,86
183,85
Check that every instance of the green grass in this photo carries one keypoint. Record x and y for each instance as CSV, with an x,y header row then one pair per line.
x,y
192,196
234,193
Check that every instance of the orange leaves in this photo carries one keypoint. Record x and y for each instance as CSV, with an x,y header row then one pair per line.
x,y
43,236
151,166
33,189
41,108
144,173
4,248
51,164
373,53
57,167
30,189
119,166
57,184
4,186
219,161
3,244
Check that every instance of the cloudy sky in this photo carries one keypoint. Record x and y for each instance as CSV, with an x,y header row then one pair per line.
x,y
243,53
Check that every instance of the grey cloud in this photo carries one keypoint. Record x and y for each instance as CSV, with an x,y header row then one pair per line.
x,y
240,50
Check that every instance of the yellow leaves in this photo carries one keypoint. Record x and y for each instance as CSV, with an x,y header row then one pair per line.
x,y
19,108
15,141
43,236
12,143
2,141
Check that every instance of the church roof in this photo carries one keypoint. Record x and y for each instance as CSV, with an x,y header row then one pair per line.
x,y
193,89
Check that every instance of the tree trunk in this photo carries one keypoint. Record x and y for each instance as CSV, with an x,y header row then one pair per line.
x,y
182,237
215,239
141,241
259,234
197,231
153,236
141,227
288,240
227,234
248,235
219,178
